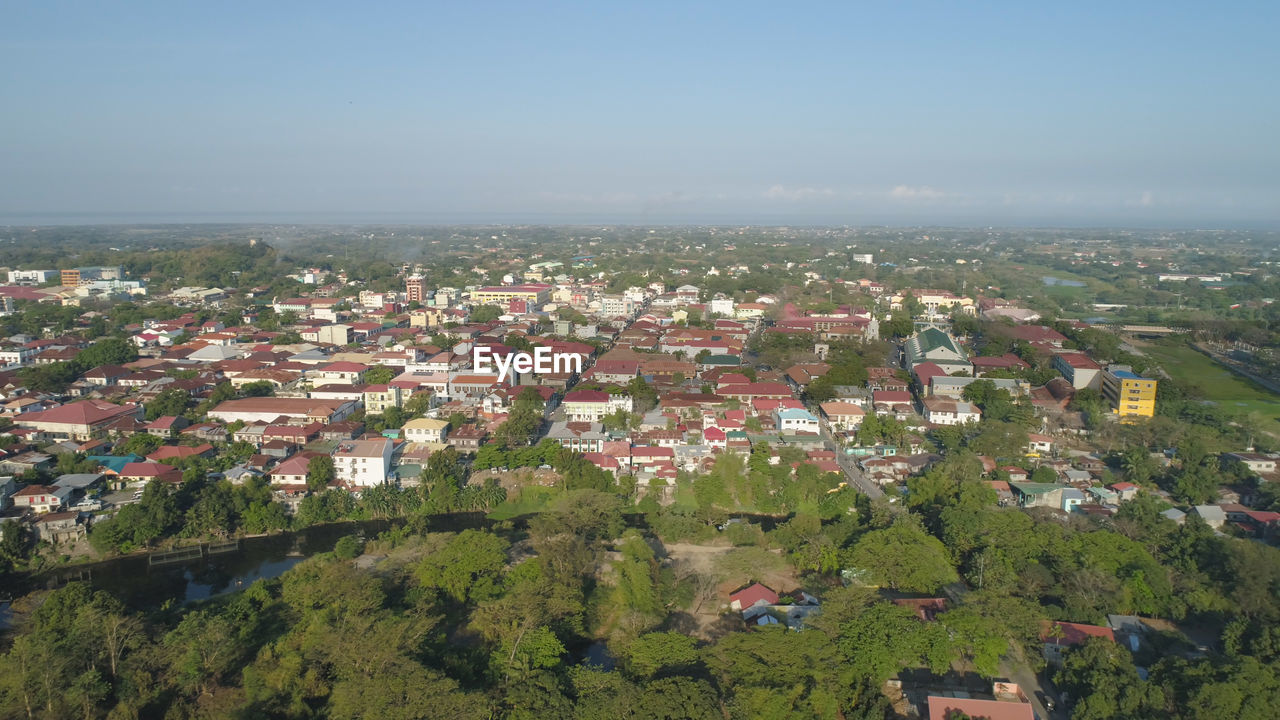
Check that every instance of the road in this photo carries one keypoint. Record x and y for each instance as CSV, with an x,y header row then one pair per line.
x,y
850,467
1017,671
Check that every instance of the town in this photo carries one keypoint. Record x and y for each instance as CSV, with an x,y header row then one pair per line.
x,y
856,413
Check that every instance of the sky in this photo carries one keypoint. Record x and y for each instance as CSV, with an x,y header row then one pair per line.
x,y
964,113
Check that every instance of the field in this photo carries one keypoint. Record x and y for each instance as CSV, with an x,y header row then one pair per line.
x,y
1215,382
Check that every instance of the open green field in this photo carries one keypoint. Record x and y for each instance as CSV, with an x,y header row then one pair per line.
x,y
1215,382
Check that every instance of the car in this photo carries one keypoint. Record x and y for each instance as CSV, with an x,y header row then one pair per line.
x,y
1046,700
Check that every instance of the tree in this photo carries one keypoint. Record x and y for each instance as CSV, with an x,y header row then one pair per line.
x,y
904,557
108,351
653,653
170,402
467,569
1101,677
320,472
485,313
379,375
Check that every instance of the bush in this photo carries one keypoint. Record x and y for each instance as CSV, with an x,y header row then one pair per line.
x,y
348,547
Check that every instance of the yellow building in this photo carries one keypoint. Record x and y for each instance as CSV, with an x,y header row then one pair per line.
x,y
1129,394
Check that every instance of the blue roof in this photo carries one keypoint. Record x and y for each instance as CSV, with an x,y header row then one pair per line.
x,y
1127,375
115,463
796,414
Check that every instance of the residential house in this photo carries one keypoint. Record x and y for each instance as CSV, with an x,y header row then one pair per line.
x,y
426,430
944,411
363,463
41,498
842,415
1059,636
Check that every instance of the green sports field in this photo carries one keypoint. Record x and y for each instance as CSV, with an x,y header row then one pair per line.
x,y
1215,382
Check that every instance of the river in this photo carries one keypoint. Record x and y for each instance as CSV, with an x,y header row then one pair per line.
x,y
141,585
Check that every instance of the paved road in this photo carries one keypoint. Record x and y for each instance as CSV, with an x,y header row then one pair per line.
x,y
1029,683
850,467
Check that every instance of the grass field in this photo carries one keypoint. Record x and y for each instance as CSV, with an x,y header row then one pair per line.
x,y
532,499
1215,382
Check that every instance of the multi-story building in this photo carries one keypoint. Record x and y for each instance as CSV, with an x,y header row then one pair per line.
x,y
426,430
415,289
592,405
1079,369
377,398
363,463
503,294
31,277
1130,394
935,302
933,345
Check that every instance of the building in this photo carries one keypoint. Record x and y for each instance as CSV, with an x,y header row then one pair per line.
x,y
947,708
267,409
501,296
1079,369
41,498
426,430
945,411
935,302
415,289
31,277
592,405
842,415
795,420
78,420
377,398
1129,394
363,463
933,345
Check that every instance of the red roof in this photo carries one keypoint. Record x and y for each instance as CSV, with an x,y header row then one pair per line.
x,y
587,396
1074,633
85,412
752,594
1079,361
942,708
149,469
891,396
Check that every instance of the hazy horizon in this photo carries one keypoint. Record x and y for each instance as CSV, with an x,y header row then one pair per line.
x,y
1142,115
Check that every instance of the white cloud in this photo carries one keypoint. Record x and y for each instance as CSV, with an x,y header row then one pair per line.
x,y
784,193
910,192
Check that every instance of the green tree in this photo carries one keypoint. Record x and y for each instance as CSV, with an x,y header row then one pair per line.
x,y
320,472
467,569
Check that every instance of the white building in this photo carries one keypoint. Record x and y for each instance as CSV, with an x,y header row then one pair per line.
x,y
31,277
795,420
944,411
363,463
721,306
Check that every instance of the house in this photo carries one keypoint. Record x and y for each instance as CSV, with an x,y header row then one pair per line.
x,y
166,426
59,527
138,474
944,411
947,708
1039,444
583,437
794,420
1124,491
842,415
77,421
592,405
1033,494
426,430
293,471
751,595
467,438
1058,636
1257,463
363,463
1212,515
41,498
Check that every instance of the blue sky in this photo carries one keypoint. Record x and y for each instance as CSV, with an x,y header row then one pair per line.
x,y
889,112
